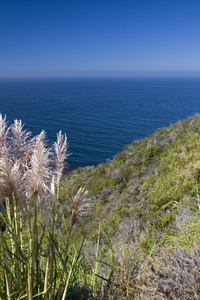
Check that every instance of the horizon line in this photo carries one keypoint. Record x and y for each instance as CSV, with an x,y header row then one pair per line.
x,y
109,74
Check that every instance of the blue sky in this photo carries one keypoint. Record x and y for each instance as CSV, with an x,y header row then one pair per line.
x,y
96,37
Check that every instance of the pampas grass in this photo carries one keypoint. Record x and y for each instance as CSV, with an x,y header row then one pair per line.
x,y
3,133
81,204
39,174
34,261
60,148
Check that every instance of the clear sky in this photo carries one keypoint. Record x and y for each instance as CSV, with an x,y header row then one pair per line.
x,y
98,37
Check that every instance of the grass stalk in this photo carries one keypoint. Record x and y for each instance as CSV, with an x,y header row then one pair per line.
x,y
68,277
51,246
7,277
97,258
8,286
29,279
47,274
21,229
9,222
16,239
34,243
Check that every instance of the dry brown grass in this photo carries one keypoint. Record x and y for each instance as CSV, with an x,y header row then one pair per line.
x,y
171,274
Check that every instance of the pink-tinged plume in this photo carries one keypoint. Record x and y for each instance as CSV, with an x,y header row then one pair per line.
x,y
81,204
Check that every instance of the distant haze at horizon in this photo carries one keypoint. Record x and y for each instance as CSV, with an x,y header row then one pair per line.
x,y
109,74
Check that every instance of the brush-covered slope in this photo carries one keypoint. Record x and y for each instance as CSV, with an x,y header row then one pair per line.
x,y
148,189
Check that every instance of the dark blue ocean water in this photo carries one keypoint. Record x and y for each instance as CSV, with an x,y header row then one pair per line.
x,y
99,116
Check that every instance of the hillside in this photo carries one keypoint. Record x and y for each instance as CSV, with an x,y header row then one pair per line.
x,y
147,195
152,183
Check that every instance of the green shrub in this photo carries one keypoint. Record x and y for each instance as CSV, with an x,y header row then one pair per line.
x,y
151,151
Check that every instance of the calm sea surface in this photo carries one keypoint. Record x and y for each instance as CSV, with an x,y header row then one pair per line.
x,y
99,116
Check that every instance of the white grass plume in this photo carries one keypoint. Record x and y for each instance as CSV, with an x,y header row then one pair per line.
x,y
60,148
11,181
38,175
3,134
21,144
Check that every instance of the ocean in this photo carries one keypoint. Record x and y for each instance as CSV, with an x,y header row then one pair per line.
x,y
99,115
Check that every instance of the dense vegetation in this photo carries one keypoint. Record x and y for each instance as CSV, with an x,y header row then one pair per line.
x,y
147,197
125,229
147,188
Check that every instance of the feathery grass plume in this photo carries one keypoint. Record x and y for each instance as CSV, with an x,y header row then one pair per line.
x,y
21,144
3,131
10,179
79,210
60,148
38,175
3,134
81,204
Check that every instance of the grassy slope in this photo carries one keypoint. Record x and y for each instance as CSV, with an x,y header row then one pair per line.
x,y
147,189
